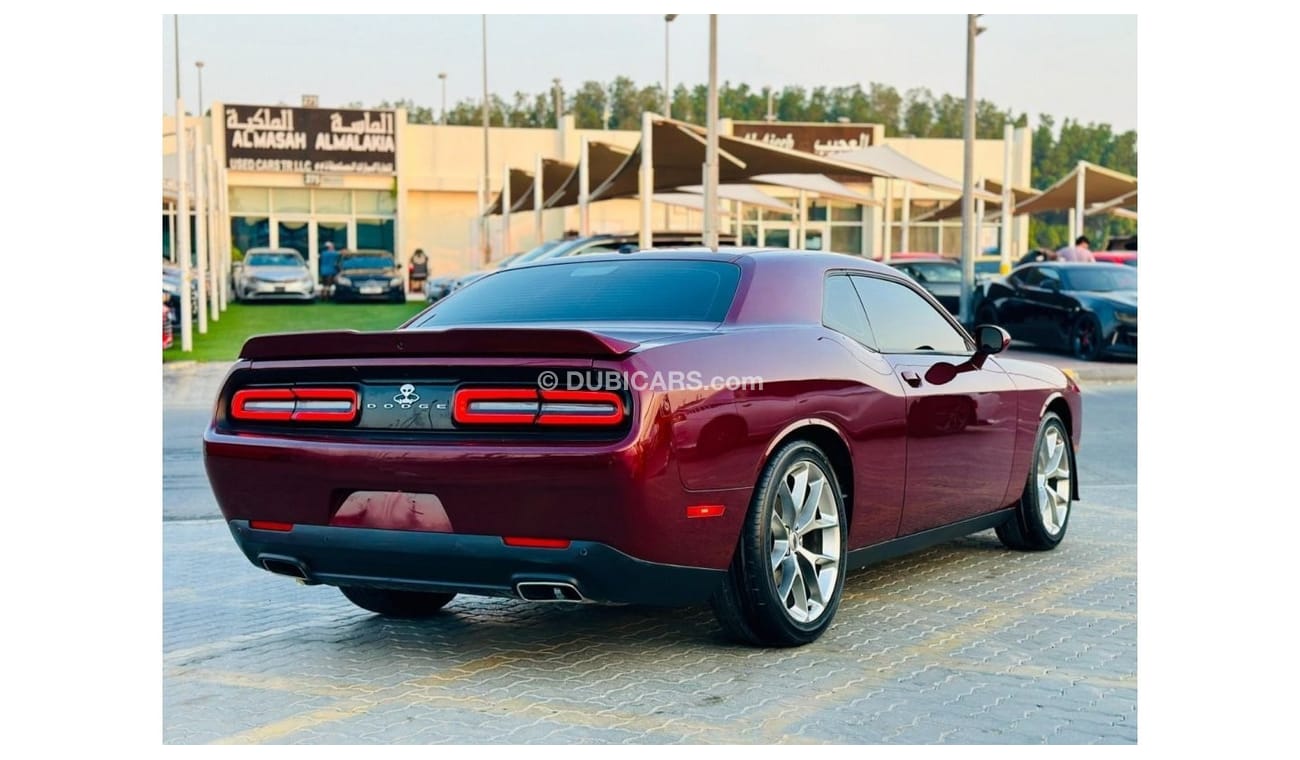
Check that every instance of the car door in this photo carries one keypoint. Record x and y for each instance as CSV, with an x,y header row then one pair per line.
x,y
1044,307
1015,311
871,413
961,426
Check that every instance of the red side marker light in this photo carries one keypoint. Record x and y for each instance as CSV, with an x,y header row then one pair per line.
x,y
705,510
270,525
537,543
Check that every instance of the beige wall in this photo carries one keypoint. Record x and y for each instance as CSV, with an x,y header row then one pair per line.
x,y
439,173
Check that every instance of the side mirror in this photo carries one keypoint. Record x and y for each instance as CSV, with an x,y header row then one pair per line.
x,y
992,339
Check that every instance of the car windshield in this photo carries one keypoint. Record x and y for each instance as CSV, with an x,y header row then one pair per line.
x,y
528,256
1100,279
273,260
636,290
935,272
369,261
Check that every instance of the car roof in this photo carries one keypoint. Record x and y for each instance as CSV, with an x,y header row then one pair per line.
x,y
367,252
251,251
725,254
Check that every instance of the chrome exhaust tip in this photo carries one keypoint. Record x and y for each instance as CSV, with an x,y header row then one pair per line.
x,y
548,591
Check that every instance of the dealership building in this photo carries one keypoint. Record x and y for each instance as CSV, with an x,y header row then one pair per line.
x,y
301,177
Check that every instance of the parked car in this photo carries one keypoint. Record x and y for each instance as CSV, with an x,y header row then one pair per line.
x,y
1087,309
437,289
471,451
274,274
167,334
1129,258
941,278
369,275
171,285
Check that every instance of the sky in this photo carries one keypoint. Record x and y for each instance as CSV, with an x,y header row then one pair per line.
x,y
1083,67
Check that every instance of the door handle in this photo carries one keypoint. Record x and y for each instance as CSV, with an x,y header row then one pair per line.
x,y
912,378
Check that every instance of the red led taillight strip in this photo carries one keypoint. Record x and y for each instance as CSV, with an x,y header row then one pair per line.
x,y
295,405
580,408
527,406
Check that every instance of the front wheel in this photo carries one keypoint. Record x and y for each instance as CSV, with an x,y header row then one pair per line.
x,y
1044,510
1085,338
397,604
787,575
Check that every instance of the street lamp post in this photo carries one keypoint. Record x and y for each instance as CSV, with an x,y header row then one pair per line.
x,y
668,89
487,229
442,77
559,100
968,237
182,201
199,65
711,145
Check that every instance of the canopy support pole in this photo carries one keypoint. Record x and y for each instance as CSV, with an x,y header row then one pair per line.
x,y
711,147
506,200
801,240
979,225
216,260
939,246
171,231
889,220
647,184
201,228
183,224
1008,201
584,190
1079,185
537,201
907,217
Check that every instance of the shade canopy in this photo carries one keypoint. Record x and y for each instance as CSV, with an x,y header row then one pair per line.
x,y
603,158
678,151
554,174
746,194
520,182
820,184
952,209
1100,185
886,161
1124,207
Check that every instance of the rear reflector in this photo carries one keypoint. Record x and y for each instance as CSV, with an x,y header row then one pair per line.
x,y
705,510
537,543
270,525
295,404
528,406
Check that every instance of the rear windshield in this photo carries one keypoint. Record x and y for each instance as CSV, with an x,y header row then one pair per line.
x,y
636,290
273,260
376,261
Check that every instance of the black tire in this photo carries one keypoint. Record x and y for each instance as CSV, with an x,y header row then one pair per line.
x,y
397,604
748,605
1085,337
1027,530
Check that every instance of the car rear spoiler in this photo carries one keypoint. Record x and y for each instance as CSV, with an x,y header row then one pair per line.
x,y
460,341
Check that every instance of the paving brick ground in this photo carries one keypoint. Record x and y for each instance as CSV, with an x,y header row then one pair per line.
x,y
963,643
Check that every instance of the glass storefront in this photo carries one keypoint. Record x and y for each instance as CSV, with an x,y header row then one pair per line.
x,y
297,218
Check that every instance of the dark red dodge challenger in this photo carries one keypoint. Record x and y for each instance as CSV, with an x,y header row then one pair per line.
x,y
655,428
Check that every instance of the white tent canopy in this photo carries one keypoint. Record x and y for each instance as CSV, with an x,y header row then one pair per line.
x,y
746,194
817,183
885,160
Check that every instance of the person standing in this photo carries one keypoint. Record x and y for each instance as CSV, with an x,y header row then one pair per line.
x,y
419,270
1081,251
329,264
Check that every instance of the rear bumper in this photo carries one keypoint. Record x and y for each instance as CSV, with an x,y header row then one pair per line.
x,y
482,565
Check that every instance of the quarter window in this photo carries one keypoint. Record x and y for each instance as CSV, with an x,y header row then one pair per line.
x,y
903,322
842,311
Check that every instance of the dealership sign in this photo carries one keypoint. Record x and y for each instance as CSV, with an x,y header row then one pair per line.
x,y
310,140
819,139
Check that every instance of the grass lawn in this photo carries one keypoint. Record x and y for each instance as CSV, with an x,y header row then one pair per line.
x,y
241,321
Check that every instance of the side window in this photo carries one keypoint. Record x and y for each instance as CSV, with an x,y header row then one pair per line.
x,y
842,311
595,248
904,322
1028,277
1048,274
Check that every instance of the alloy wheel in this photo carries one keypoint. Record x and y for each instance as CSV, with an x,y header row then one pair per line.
x,y
805,542
1053,475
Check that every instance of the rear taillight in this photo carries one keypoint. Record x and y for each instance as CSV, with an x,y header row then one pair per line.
x,y
529,406
295,405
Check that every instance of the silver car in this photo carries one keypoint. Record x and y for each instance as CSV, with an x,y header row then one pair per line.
x,y
274,273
